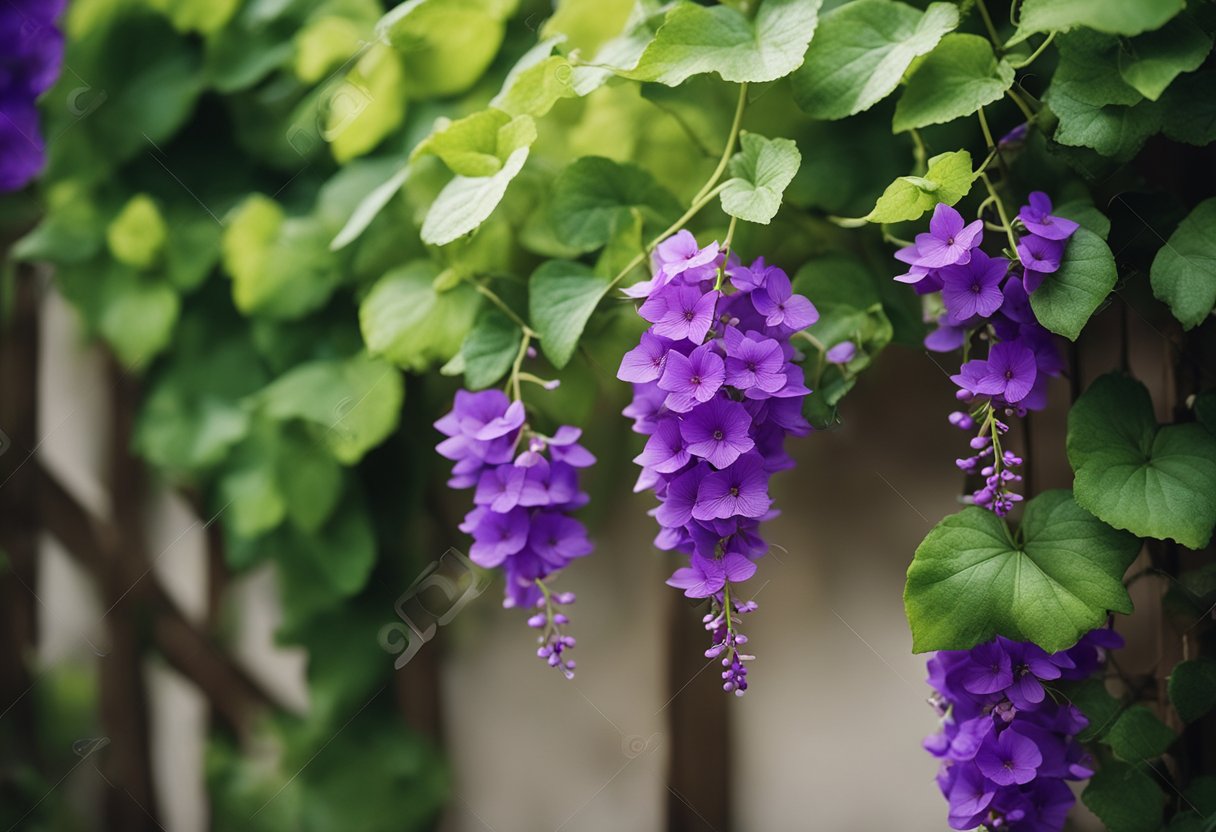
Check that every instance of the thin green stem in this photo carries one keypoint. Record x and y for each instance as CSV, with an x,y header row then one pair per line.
x,y
1036,53
524,343
730,624
1000,209
729,150
990,26
1017,99
730,236
919,152
992,154
493,298
987,132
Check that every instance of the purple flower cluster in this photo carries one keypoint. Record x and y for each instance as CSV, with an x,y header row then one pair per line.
x,y
990,296
526,486
31,50
1007,745
716,389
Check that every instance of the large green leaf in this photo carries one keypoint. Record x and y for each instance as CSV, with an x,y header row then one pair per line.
x,y
351,404
1152,61
561,297
862,52
1153,481
594,195
479,144
1184,270
954,80
760,173
947,180
696,39
489,349
1192,688
1125,798
1068,298
404,318
1138,735
445,45
971,580
1115,17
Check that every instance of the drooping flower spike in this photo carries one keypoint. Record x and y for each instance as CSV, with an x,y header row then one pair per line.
x,y
31,51
989,297
716,391
526,486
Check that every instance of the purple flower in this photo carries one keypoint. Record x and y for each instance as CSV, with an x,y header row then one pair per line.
x,y
680,312
738,491
753,360
645,361
946,338
1010,758
666,451
693,380
498,536
676,508
679,254
842,353
1038,219
949,240
750,278
705,576
989,670
1039,253
781,307
718,432
969,796
973,289
558,539
1010,372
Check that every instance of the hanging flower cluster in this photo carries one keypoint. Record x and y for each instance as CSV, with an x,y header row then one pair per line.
x,y
526,486
991,296
716,390
31,50
1007,744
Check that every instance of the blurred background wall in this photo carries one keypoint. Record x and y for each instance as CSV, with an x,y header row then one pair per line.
x,y
827,738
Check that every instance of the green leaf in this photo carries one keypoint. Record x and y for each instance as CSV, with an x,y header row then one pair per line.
x,y
1068,298
343,550
1189,109
1117,17
947,180
480,144
1184,271
538,80
1138,735
1154,482
368,209
280,266
366,106
1087,214
954,80
249,496
594,196
971,581
137,235
445,45
466,202
862,52
1125,798
489,349
760,173
561,297
310,481
405,320
352,405
1151,62
137,317
1099,707
696,39
1192,688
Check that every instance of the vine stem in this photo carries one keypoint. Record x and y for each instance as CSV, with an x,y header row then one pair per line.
x,y
1036,53
990,26
984,126
1017,99
491,296
1000,209
708,191
524,343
